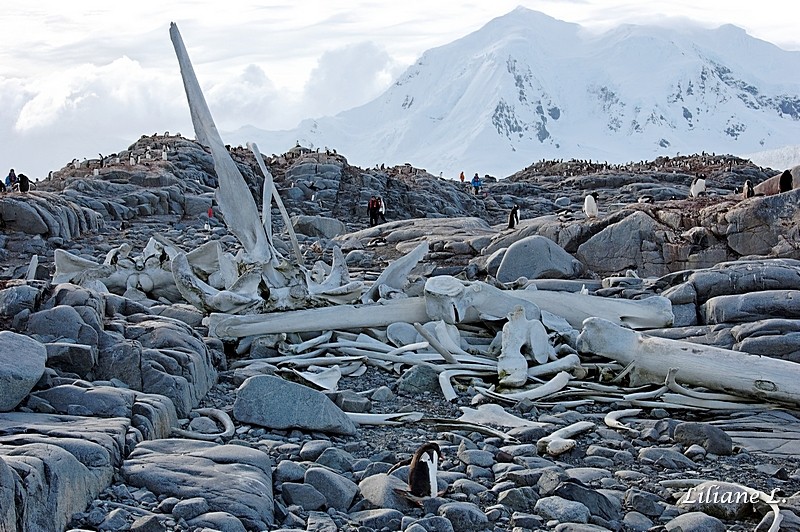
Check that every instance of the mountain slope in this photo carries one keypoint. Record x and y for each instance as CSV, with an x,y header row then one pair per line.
x,y
527,86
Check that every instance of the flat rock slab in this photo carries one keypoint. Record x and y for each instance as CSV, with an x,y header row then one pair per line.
x,y
775,433
232,478
54,466
19,428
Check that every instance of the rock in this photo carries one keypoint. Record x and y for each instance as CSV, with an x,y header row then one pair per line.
x,y
321,522
232,478
59,323
434,523
379,519
418,379
637,522
665,458
337,490
383,490
279,404
695,522
318,226
336,459
217,521
313,448
713,439
15,299
72,358
597,503
464,516
148,523
190,508
304,495
560,509
22,363
644,502
519,499
753,306
624,245
8,514
724,500
537,257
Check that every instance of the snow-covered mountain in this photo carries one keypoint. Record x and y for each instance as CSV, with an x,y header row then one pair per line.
x,y
527,86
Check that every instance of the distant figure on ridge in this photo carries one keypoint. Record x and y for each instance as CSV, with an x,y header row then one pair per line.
x,y
373,208
513,217
698,186
461,177
382,209
785,181
590,205
11,180
476,184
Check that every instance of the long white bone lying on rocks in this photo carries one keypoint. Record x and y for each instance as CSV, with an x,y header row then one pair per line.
x,y
568,363
397,418
714,368
612,419
561,440
550,387
495,414
321,319
650,313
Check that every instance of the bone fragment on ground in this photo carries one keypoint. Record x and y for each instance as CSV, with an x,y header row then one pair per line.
x,y
561,440
453,301
650,313
396,274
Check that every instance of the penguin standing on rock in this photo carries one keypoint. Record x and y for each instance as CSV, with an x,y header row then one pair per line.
x,y
747,190
423,466
590,205
423,469
698,186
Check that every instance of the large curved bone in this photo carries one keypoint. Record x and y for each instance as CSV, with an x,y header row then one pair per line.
x,y
518,332
396,274
449,299
650,313
266,213
243,295
719,369
233,195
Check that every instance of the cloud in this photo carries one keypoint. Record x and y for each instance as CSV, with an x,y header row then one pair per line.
x,y
347,77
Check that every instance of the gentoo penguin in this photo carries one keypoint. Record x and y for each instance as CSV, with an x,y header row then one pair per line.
x,y
590,205
698,186
747,190
785,181
422,472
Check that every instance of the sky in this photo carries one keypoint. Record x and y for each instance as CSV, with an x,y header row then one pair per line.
x,y
83,77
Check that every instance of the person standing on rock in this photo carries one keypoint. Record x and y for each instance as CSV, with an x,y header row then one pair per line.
x,y
461,177
513,217
382,209
373,207
476,184
11,180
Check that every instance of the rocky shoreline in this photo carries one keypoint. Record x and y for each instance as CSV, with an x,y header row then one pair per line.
x,y
135,417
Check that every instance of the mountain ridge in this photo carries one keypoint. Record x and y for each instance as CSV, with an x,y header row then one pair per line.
x,y
527,86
